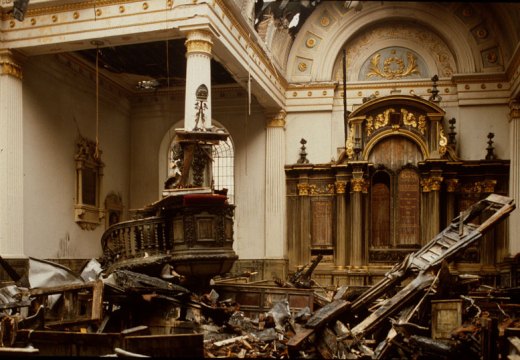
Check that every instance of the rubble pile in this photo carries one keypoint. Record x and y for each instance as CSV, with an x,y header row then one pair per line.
x,y
443,316
418,310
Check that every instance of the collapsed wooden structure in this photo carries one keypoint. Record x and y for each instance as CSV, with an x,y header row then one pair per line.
x,y
132,313
423,265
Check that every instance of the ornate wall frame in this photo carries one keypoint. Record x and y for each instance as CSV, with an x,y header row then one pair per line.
x,y
89,172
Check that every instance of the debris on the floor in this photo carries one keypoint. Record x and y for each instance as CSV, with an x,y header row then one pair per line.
x,y
419,310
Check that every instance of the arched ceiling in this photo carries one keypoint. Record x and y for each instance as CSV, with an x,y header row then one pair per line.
x,y
452,37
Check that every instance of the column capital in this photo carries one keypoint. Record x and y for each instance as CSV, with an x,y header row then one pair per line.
x,y
451,185
9,64
199,41
514,110
432,183
340,186
276,119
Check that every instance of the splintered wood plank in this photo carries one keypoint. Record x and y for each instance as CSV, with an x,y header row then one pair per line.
x,y
327,313
296,341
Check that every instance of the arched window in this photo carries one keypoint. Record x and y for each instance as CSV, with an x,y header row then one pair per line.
x,y
223,162
223,168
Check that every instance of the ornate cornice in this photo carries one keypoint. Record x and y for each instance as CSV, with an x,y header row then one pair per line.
x,y
478,78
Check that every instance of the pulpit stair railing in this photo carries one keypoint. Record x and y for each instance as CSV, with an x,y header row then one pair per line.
x,y
137,238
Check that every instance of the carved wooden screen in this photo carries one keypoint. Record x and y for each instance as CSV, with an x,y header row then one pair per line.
x,y
408,207
322,224
381,229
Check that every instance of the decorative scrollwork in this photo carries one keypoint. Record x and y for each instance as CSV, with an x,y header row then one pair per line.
x,y
369,125
409,118
443,142
422,124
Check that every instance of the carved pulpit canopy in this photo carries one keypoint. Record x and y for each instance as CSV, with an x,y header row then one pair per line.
x,y
410,116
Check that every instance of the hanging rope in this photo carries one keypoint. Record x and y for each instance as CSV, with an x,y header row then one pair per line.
x,y
96,154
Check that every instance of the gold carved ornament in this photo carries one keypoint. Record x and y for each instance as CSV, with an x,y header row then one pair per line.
x,y
489,185
472,187
409,118
340,187
383,119
359,185
369,125
422,124
10,68
327,189
451,185
303,189
389,72
203,46
432,183
443,142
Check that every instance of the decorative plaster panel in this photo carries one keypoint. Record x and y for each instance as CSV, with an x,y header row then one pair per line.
x,y
433,55
394,63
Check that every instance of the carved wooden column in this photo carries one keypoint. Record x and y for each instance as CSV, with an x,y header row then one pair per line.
x,y
198,72
430,218
451,201
305,220
341,220
356,245
275,244
11,156
514,176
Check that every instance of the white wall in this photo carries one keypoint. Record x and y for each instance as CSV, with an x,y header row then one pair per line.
x,y
316,128
475,123
248,134
58,105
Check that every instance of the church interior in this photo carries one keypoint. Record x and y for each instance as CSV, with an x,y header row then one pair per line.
x,y
357,130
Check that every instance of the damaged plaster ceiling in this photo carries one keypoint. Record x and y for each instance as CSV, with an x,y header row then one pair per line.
x,y
150,66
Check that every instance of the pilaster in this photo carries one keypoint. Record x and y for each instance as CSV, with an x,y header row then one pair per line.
x,y
199,45
275,187
452,186
514,176
11,156
431,187
341,218
358,186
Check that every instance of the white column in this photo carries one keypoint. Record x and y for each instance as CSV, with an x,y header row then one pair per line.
x,y
275,188
198,72
514,177
11,157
